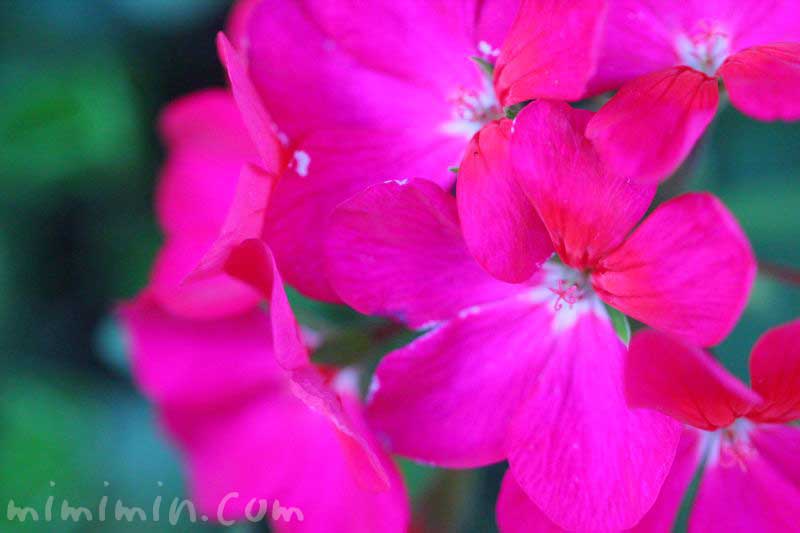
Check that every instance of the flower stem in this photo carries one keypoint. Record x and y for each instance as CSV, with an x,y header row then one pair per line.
x,y
780,272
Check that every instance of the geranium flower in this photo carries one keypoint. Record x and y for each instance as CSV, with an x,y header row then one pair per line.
x,y
262,428
532,371
360,93
739,437
669,55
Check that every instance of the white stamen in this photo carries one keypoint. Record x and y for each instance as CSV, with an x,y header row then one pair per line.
x,y
301,161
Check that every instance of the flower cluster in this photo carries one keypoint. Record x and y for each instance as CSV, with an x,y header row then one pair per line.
x,y
330,163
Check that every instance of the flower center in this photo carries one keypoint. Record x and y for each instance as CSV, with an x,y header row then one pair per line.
x,y
731,446
568,292
705,49
472,109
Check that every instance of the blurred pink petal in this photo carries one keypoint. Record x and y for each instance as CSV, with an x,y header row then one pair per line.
x,y
764,81
516,513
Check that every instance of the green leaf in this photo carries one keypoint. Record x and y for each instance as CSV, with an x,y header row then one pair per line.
x,y
486,67
454,170
513,110
621,325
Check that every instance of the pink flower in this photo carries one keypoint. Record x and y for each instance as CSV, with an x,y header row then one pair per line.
x,y
362,92
257,423
207,146
668,57
750,477
532,371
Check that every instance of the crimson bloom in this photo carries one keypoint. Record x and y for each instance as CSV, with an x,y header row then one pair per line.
x,y
362,92
532,371
260,426
735,436
739,437
667,58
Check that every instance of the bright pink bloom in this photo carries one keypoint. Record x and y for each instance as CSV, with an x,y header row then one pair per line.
x,y
208,147
668,57
533,371
256,420
751,458
364,92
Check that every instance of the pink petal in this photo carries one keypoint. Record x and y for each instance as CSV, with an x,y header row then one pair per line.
x,y
225,401
778,445
245,218
273,447
501,227
342,163
661,517
684,382
238,20
638,38
750,494
649,127
160,345
763,81
252,263
207,145
550,52
494,21
259,123
516,513
448,397
775,373
687,270
396,249
427,43
210,297
583,457
310,81
587,210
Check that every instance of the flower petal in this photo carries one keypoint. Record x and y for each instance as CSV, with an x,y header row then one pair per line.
x,y
661,517
448,397
687,270
649,127
160,345
516,513
396,250
256,118
341,163
775,373
587,210
765,500
550,52
500,226
763,81
586,459
684,382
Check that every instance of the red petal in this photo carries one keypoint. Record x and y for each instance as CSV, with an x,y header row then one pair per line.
x,y
649,127
501,227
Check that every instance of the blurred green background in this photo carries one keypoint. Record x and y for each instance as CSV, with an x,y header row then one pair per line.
x,y
81,84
